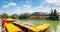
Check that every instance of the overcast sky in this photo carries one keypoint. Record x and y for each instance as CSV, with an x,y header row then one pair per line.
x,y
28,6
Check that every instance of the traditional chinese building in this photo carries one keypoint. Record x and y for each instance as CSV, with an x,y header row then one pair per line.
x,y
38,15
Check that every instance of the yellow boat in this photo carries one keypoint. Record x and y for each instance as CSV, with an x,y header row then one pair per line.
x,y
10,20
12,28
43,28
9,27
32,28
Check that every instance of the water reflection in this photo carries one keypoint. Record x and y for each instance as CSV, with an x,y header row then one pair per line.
x,y
58,28
55,25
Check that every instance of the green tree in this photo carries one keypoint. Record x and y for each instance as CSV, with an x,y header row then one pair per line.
x,y
4,15
23,16
14,16
53,15
55,12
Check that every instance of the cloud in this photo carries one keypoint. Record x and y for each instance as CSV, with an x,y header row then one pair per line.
x,y
17,10
5,1
9,4
54,2
27,7
12,4
42,9
5,6
1,12
58,9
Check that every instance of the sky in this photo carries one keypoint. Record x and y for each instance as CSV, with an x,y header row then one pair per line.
x,y
28,6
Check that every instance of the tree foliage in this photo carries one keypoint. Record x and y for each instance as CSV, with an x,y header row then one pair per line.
x,y
4,15
14,16
53,15
23,16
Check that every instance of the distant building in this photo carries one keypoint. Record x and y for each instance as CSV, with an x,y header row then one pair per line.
x,y
39,15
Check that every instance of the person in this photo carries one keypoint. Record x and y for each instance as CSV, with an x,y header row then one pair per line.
x,y
3,24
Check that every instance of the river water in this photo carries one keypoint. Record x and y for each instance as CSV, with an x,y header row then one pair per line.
x,y
58,28
55,25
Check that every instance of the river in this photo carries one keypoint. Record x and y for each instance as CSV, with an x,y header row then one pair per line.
x,y
55,25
